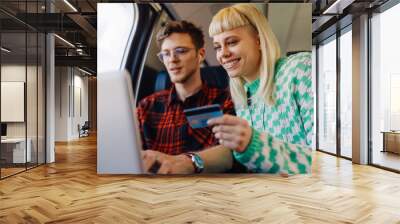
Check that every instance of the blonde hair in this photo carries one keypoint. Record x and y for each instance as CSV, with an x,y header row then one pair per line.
x,y
243,15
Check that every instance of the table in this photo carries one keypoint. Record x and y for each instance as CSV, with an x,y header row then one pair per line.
x,y
15,148
391,141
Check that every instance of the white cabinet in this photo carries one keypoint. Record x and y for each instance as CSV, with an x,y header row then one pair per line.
x,y
18,149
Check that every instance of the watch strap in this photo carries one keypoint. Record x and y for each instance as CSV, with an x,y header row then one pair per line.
x,y
197,162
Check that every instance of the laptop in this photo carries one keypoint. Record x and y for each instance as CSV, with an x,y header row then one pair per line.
x,y
119,143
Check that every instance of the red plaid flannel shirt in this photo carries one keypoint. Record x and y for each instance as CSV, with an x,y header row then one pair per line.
x,y
164,126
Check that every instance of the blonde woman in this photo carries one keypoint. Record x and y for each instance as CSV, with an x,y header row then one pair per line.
x,y
272,132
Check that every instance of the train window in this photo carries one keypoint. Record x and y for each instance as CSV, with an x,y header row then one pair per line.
x,y
111,47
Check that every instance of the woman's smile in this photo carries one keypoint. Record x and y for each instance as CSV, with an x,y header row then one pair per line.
x,y
231,64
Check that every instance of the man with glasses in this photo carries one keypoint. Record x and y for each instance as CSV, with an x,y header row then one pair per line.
x,y
166,135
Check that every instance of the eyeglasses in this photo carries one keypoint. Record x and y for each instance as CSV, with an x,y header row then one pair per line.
x,y
177,52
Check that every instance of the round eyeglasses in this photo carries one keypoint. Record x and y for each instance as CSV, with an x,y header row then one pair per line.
x,y
177,52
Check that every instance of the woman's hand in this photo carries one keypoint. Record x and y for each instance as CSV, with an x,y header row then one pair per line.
x,y
232,132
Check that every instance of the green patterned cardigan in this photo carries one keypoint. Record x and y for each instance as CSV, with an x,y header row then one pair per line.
x,y
282,133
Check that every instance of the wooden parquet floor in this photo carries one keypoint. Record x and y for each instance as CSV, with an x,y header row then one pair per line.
x,y
70,191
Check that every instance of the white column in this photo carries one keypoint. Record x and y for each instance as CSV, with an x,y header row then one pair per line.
x,y
360,90
50,99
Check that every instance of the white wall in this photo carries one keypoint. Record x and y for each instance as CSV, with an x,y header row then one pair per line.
x,y
62,81
16,72
71,92
79,117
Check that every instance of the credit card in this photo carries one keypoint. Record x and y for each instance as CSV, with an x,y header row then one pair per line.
x,y
198,116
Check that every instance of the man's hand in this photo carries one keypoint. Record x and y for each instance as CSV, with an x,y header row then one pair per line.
x,y
168,164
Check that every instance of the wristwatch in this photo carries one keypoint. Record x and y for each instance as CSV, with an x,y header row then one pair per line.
x,y
197,162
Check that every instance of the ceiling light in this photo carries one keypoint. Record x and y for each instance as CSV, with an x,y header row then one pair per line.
x,y
332,7
65,41
5,50
80,51
84,71
70,5
337,7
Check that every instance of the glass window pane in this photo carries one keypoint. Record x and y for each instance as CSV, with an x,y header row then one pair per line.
x,y
31,97
23,88
385,89
346,94
13,87
41,98
314,82
327,97
111,47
